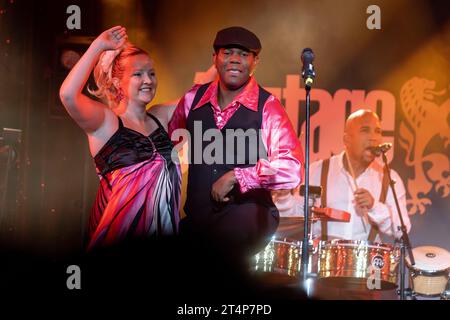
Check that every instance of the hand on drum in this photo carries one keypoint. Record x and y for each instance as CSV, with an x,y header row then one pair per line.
x,y
363,199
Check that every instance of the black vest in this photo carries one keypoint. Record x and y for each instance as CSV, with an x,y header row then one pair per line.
x,y
243,148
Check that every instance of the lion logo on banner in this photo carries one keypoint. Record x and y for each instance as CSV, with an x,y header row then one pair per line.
x,y
424,120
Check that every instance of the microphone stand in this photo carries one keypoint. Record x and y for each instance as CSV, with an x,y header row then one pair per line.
x,y
405,244
305,244
308,75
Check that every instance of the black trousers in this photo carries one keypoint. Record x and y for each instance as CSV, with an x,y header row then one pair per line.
x,y
235,229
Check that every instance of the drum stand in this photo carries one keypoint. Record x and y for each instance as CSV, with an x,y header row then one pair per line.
x,y
446,294
405,243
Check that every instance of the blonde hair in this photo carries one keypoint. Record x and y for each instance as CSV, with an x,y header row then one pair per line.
x,y
109,66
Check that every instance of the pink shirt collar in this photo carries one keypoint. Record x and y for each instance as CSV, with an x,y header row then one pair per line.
x,y
248,97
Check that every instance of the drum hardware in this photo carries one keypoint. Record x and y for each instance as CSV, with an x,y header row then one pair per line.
x,y
315,193
446,294
409,293
311,194
317,214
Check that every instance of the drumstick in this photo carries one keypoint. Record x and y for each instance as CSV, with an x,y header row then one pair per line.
x,y
352,172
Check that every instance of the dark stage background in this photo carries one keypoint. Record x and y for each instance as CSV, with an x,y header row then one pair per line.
x,y
402,71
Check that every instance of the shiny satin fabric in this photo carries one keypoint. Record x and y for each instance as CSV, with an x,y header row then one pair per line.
x,y
140,188
282,168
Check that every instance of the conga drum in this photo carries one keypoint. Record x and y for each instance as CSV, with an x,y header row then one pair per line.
x,y
430,274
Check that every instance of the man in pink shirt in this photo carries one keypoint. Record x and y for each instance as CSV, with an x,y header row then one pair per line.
x,y
242,145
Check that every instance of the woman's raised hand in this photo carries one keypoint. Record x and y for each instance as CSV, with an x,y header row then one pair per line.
x,y
112,39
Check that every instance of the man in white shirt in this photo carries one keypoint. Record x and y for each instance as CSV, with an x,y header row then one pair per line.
x,y
361,193
354,182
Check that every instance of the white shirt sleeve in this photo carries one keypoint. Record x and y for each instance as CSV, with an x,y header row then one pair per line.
x,y
385,215
292,205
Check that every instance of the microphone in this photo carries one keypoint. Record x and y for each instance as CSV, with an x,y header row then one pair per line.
x,y
382,148
308,73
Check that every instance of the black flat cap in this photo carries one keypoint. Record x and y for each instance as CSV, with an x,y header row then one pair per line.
x,y
237,36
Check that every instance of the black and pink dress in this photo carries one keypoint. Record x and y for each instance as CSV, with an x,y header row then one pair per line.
x,y
140,187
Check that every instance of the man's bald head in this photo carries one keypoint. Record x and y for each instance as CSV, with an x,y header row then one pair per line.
x,y
362,131
357,117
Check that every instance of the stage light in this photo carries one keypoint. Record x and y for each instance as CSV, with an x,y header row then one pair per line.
x,y
68,51
69,58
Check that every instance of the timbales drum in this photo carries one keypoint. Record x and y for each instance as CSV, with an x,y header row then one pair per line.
x,y
357,264
280,261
